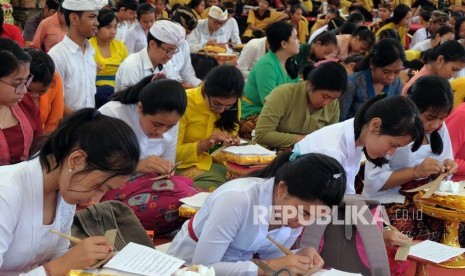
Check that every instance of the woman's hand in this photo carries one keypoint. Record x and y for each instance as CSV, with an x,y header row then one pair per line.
x,y
298,264
216,138
450,166
316,262
394,238
428,167
85,254
155,164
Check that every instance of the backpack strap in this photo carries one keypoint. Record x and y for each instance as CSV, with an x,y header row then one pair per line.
x,y
373,241
312,235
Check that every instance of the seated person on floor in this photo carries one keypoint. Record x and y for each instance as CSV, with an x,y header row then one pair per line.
x,y
211,120
229,245
403,169
152,109
292,111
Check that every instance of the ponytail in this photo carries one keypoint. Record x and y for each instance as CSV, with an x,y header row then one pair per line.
x,y
88,130
131,94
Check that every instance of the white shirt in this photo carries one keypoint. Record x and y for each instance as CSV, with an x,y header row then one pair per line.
x,y
230,230
422,45
137,66
231,27
420,35
164,148
317,32
337,141
78,71
25,243
252,52
182,66
376,177
136,38
121,30
201,35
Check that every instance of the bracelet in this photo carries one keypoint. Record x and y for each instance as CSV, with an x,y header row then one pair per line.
x,y
48,272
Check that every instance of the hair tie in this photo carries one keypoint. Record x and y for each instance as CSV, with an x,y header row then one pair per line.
x,y
296,153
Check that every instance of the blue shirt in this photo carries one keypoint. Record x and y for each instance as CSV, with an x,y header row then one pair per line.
x,y
359,90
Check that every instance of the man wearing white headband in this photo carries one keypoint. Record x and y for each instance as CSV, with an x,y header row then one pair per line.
x,y
211,31
161,56
74,56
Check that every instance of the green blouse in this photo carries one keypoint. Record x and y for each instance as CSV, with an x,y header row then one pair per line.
x,y
265,75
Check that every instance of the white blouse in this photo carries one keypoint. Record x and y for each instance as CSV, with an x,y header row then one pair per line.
x,y
162,147
230,229
25,243
376,177
337,141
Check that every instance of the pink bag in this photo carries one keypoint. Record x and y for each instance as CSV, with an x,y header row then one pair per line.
x,y
155,202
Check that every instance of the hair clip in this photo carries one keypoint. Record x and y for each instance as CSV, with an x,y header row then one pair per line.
x,y
337,175
296,153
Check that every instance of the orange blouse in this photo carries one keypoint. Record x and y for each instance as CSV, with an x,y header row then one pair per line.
x,y
52,105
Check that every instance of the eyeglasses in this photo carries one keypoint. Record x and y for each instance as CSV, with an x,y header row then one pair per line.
x,y
218,106
20,86
169,52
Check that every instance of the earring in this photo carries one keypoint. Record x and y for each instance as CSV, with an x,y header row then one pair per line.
x,y
70,170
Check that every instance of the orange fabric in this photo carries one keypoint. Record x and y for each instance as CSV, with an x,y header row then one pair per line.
x,y
48,33
52,105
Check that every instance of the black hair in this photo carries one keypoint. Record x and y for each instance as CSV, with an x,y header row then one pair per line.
x,y
225,81
335,24
11,56
425,14
88,130
325,38
399,14
458,23
162,95
451,50
399,117
144,8
433,93
353,59
457,15
67,13
105,17
307,70
184,16
365,35
52,4
356,17
229,7
311,176
194,3
385,52
445,30
294,8
414,64
278,32
347,28
127,4
389,33
328,76
42,66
